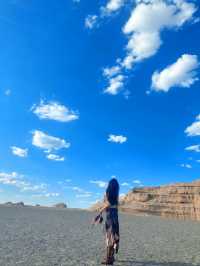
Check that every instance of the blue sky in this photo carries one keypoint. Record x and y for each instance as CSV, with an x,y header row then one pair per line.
x,y
95,89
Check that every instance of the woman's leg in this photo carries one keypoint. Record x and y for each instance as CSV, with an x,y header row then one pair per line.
x,y
116,244
111,243
109,250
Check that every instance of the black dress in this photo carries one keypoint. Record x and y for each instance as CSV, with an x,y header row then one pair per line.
x,y
112,225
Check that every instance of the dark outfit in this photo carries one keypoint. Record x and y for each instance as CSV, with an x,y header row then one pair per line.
x,y
112,226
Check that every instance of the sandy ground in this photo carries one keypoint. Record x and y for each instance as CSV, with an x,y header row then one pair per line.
x,y
50,237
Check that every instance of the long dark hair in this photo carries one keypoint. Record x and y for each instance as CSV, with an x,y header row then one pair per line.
x,y
112,192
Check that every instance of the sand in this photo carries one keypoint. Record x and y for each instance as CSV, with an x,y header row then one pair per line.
x,y
52,237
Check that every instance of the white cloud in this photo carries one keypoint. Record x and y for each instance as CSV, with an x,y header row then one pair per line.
x,y
52,194
78,189
80,192
65,181
115,85
19,181
117,138
147,21
7,92
194,129
46,195
99,183
195,148
180,74
84,195
48,143
54,111
109,72
143,29
23,185
144,45
91,21
125,184
55,157
198,161
186,165
40,187
10,178
19,151
137,182
112,6
127,94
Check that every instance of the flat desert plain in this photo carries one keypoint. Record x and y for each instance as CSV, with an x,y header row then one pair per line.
x,y
31,236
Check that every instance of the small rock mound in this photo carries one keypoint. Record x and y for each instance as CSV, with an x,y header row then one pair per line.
x,y
60,205
17,204
20,204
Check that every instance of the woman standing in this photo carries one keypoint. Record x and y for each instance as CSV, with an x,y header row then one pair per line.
x,y
111,223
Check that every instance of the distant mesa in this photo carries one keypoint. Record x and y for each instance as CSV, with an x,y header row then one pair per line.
x,y
60,205
17,204
180,200
20,204
9,203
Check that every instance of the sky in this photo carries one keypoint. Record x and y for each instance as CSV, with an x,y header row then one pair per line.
x,y
91,90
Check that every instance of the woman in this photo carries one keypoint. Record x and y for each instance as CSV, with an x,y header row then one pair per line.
x,y
111,223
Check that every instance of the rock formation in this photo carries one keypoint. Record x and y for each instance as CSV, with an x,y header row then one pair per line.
x,y
181,200
17,204
60,205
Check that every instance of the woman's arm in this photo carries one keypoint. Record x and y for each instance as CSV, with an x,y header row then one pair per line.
x,y
99,218
106,205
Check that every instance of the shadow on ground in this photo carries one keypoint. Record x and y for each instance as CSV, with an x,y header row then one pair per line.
x,y
130,262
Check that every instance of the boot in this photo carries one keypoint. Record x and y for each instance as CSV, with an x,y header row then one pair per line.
x,y
109,257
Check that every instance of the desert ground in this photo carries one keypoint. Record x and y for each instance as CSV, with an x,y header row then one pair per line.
x,y
55,237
